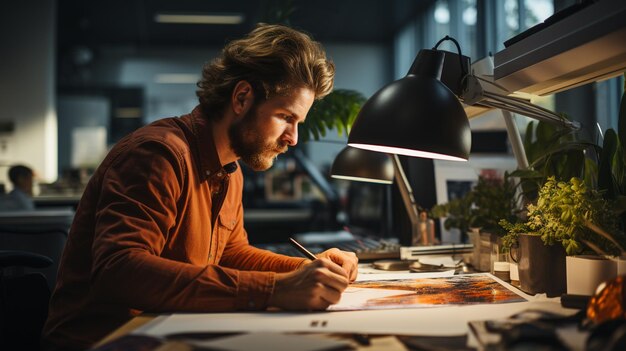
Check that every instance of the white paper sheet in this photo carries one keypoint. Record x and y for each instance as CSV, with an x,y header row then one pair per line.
x,y
404,275
439,321
434,321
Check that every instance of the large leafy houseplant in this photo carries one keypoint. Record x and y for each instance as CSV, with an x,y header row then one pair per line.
x,y
337,110
575,192
556,151
612,164
557,156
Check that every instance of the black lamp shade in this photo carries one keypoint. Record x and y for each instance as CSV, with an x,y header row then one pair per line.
x,y
415,116
363,165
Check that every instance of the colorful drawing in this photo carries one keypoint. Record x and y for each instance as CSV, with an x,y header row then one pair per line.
x,y
425,292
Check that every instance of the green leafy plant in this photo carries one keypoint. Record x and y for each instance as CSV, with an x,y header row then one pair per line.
x,y
490,200
563,214
583,213
337,110
493,199
555,151
612,165
457,212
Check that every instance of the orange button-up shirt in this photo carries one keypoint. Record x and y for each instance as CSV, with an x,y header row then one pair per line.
x,y
159,228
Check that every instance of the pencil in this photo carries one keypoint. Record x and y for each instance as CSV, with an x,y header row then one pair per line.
x,y
302,250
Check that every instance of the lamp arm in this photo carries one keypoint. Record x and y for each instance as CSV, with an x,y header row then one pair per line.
x,y
407,195
525,105
516,140
475,94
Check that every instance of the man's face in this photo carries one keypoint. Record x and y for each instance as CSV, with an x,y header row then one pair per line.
x,y
268,128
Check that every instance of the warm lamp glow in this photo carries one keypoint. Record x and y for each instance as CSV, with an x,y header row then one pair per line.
x,y
363,166
362,179
407,152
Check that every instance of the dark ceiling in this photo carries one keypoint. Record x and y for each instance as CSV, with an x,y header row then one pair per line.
x,y
130,22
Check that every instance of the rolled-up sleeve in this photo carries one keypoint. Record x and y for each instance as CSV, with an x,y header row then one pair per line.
x,y
238,253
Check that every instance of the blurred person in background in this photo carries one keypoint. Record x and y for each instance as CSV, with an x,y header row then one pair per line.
x,y
21,197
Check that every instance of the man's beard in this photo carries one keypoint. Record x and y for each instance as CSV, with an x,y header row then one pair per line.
x,y
248,144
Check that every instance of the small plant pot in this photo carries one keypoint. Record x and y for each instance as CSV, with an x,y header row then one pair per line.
x,y
473,236
497,253
484,256
621,264
541,267
514,274
586,272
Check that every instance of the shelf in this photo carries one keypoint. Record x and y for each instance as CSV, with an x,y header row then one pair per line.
x,y
586,46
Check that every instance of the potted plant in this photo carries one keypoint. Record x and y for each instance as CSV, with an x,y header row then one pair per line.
x,y
612,185
555,154
477,213
456,213
493,199
560,222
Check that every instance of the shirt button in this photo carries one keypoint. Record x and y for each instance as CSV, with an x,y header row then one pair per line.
x,y
220,174
208,173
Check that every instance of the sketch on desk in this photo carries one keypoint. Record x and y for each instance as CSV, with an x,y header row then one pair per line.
x,y
425,292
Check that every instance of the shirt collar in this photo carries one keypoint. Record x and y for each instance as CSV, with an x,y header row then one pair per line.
x,y
209,165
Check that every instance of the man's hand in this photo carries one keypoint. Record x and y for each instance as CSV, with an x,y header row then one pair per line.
x,y
314,286
347,260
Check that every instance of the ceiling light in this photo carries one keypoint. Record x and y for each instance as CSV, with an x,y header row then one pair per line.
x,y
176,78
215,18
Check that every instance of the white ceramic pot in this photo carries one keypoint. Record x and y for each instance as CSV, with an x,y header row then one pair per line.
x,y
586,272
514,274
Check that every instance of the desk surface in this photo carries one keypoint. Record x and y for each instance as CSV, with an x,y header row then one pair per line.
x,y
389,343
424,321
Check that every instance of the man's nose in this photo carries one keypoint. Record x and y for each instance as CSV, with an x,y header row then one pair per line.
x,y
291,135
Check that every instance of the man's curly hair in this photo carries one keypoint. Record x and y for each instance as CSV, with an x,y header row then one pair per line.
x,y
274,59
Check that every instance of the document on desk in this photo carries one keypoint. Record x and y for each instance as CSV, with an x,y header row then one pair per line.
x,y
438,320
420,292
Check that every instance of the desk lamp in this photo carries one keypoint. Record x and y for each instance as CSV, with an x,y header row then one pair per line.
x,y
362,165
417,115
376,167
421,114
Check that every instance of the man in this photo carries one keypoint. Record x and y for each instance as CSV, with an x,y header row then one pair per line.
x,y
159,227
21,197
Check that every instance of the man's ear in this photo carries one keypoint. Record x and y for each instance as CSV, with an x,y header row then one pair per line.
x,y
242,97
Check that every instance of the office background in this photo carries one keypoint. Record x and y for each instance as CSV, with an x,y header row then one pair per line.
x,y
78,75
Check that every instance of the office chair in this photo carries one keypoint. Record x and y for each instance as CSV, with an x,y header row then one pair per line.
x,y
47,241
23,300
